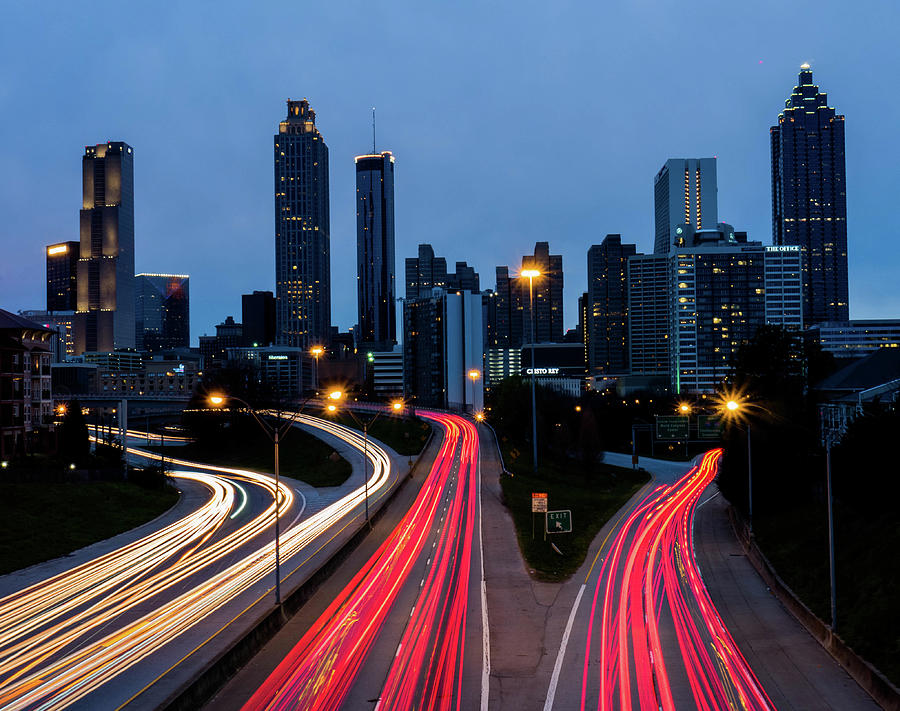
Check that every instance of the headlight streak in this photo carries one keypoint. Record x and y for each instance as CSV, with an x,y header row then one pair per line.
x,y
652,565
39,683
321,668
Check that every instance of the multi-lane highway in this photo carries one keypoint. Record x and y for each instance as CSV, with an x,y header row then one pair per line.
x,y
70,638
409,628
643,632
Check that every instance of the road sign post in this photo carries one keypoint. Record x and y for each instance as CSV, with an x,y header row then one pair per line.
x,y
538,505
559,521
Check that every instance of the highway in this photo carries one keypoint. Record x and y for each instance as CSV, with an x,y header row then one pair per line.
x,y
406,626
643,632
69,639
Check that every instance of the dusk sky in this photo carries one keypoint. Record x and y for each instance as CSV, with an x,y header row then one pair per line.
x,y
510,124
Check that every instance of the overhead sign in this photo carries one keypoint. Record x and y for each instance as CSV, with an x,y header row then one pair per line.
x,y
559,521
538,503
672,427
709,427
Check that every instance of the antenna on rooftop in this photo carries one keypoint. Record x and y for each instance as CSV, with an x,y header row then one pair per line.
x,y
373,130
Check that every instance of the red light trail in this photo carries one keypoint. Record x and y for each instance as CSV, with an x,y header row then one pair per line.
x,y
426,671
651,575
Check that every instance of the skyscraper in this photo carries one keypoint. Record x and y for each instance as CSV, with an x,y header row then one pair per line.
x,y
258,318
375,250
684,191
606,327
62,271
105,308
302,243
162,311
548,295
809,197
648,314
425,272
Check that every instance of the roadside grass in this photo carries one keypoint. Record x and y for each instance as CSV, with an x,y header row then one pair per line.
x,y
593,498
867,569
301,456
45,520
405,435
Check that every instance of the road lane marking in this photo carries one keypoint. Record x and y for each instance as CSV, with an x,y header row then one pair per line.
x,y
485,628
557,667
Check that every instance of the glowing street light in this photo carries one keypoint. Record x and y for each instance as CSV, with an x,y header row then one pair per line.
x,y
316,351
531,274
732,405
732,409
336,394
216,400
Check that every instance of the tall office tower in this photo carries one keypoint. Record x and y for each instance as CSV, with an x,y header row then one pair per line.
x,y
648,314
105,308
547,297
162,311
720,292
809,197
507,331
684,191
62,270
302,243
375,250
258,318
425,272
606,327
465,278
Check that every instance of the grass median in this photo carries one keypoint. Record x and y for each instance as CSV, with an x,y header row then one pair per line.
x,y
593,496
301,455
45,520
405,435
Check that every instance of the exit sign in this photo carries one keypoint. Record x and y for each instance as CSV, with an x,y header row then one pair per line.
x,y
559,521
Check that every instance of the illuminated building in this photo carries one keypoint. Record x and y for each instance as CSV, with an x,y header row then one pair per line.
x,y
162,311
606,318
105,307
684,191
648,314
809,197
387,372
62,324
557,366
425,272
258,318
26,402
214,349
855,339
281,368
62,271
442,348
375,251
302,229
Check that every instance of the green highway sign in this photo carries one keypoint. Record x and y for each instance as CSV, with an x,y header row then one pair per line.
x,y
672,427
559,521
709,427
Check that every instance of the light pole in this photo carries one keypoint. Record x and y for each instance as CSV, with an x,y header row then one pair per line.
x,y
396,406
732,407
316,352
276,434
531,274
474,375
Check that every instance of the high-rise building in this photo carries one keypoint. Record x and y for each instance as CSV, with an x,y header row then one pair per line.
x,y
105,308
809,197
258,318
302,229
547,297
425,272
606,327
214,349
375,251
443,349
506,331
684,191
62,272
648,314
465,278
162,311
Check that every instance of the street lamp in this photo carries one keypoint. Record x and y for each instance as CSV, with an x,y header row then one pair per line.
x,y
732,409
276,434
474,375
396,406
531,274
316,352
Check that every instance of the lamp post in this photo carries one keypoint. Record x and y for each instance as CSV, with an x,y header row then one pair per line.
x,y
316,352
396,406
531,274
276,434
732,407
474,375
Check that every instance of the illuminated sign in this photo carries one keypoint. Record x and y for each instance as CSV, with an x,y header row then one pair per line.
x,y
784,248
58,249
542,371
278,357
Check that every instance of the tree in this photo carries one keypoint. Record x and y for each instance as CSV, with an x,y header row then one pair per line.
x,y
72,437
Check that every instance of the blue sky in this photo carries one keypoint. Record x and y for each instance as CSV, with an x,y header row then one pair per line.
x,y
510,123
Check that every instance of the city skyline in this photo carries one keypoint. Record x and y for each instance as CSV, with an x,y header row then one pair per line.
x,y
494,217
